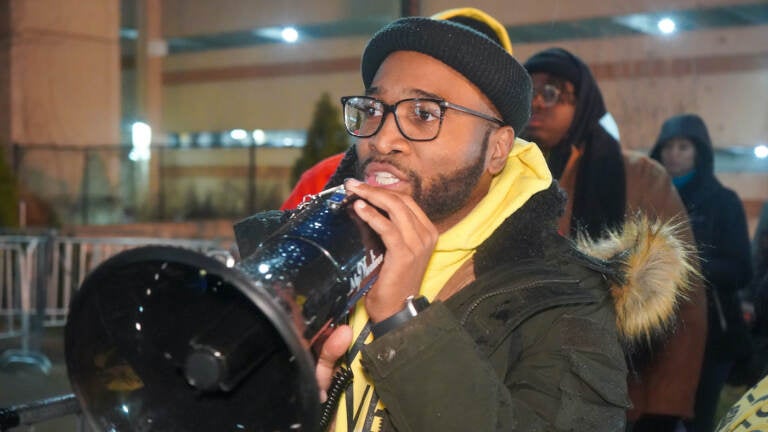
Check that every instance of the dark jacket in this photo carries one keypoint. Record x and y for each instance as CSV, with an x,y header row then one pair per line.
x,y
604,185
523,347
758,288
720,229
530,343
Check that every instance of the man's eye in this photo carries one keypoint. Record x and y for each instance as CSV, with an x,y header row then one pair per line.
x,y
372,111
425,114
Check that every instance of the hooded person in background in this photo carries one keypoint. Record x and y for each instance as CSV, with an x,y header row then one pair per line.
x,y
720,228
579,139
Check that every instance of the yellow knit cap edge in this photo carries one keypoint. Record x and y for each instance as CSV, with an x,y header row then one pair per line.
x,y
481,16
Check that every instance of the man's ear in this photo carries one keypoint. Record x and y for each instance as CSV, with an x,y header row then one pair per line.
x,y
499,145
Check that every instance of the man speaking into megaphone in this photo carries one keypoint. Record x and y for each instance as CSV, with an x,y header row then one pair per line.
x,y
482,317
432,289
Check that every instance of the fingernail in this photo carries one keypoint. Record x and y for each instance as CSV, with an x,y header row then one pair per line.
x,y
351,182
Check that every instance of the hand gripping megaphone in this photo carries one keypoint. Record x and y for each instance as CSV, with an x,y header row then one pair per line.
x,y
167,339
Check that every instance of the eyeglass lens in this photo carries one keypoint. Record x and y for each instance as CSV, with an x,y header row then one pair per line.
x,y
417,119
549,94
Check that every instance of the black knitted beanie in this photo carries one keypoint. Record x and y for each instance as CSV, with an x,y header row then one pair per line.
x,y
471,53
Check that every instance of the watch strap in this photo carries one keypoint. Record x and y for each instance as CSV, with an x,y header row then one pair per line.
x,y
413,305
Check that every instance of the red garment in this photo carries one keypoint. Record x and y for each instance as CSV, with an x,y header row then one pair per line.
x,y
312,181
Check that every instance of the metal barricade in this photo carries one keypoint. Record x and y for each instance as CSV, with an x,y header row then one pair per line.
x,y
39,274
72,258
22,272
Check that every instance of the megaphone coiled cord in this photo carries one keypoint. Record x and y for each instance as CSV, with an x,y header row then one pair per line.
x,y
341,380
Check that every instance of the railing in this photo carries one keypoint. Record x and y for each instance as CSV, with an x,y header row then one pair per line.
x,y
22,273
38,276
72,258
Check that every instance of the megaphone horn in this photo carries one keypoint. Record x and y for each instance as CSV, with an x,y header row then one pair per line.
x,y
162,338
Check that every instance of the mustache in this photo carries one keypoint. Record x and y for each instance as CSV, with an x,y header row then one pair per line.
x,y
362,165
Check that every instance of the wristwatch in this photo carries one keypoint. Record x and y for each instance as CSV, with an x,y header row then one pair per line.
x,y
413,305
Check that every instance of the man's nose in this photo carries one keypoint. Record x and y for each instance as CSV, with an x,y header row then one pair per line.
x,y
389,138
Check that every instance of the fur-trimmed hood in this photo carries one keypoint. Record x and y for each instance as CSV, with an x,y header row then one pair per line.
x,y
653,272
650,266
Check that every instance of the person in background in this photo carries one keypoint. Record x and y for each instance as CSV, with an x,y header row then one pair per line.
x,y
760,255
759,286
315,179
753,370
720,228
579,139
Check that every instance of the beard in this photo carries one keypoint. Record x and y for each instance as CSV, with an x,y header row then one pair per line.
x,y
448,192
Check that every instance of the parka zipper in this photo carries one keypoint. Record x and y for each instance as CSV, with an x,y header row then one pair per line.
x,y
532,284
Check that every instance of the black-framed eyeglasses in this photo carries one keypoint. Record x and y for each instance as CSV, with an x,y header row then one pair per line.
x,y
418,119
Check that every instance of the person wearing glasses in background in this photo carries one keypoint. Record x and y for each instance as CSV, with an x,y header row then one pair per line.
x,y
483,317
580,141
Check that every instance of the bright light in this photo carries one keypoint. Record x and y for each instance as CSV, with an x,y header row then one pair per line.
x,y
238,134
141,138
185,139
290,34
761,151
666,25
259,137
